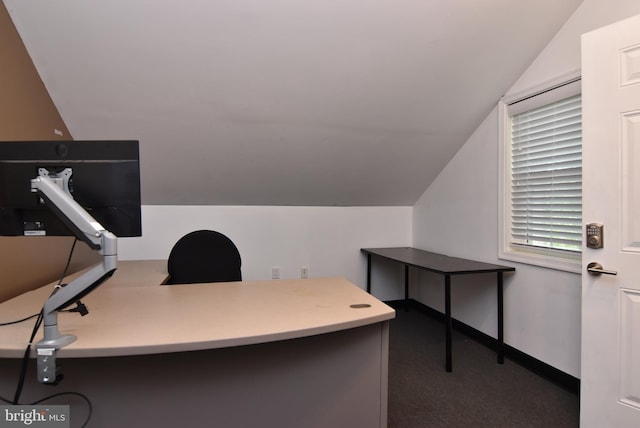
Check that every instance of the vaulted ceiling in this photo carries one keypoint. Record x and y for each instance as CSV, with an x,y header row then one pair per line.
x,y
284,102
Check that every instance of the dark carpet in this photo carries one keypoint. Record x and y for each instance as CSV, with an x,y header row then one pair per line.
x,y
478,393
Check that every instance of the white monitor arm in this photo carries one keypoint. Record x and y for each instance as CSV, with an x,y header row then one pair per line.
x,y
86,228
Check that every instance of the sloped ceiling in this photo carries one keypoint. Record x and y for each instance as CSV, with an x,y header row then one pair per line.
x,y
284,102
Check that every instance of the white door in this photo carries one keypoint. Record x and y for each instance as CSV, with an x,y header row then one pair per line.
x,y
610,376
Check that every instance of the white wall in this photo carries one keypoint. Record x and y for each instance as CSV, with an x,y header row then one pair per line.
x,y
562,54
327,240
457,215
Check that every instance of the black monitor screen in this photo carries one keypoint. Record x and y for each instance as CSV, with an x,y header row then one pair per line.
x,y
103,177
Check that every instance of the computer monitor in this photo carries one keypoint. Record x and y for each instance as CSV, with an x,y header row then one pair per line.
x,y
104,179
90,189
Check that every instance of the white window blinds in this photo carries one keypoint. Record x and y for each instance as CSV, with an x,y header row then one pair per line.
x,y
546,176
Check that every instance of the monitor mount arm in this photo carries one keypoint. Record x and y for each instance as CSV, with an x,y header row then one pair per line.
x,y
52,190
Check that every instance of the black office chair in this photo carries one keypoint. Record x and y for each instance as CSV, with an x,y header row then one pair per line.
x,y
204,256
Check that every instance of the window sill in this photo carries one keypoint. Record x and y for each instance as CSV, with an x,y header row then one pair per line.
x,y
549,259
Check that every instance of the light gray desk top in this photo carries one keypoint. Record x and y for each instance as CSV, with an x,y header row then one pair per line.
x,y
132,314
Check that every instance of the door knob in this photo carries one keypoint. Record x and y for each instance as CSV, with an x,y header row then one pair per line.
x,y
595,268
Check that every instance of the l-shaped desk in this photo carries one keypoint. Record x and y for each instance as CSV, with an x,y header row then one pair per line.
x,y
446,266
285,353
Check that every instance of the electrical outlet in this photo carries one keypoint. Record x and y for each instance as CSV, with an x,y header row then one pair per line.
x,y
304,272
275,272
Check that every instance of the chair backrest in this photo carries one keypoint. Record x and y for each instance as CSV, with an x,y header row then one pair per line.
x,y
204,256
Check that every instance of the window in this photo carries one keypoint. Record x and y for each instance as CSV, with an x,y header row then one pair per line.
x,y
541,198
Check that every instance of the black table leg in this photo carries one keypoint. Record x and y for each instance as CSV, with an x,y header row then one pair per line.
x,y
369,273
447,308
500,320
406,288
